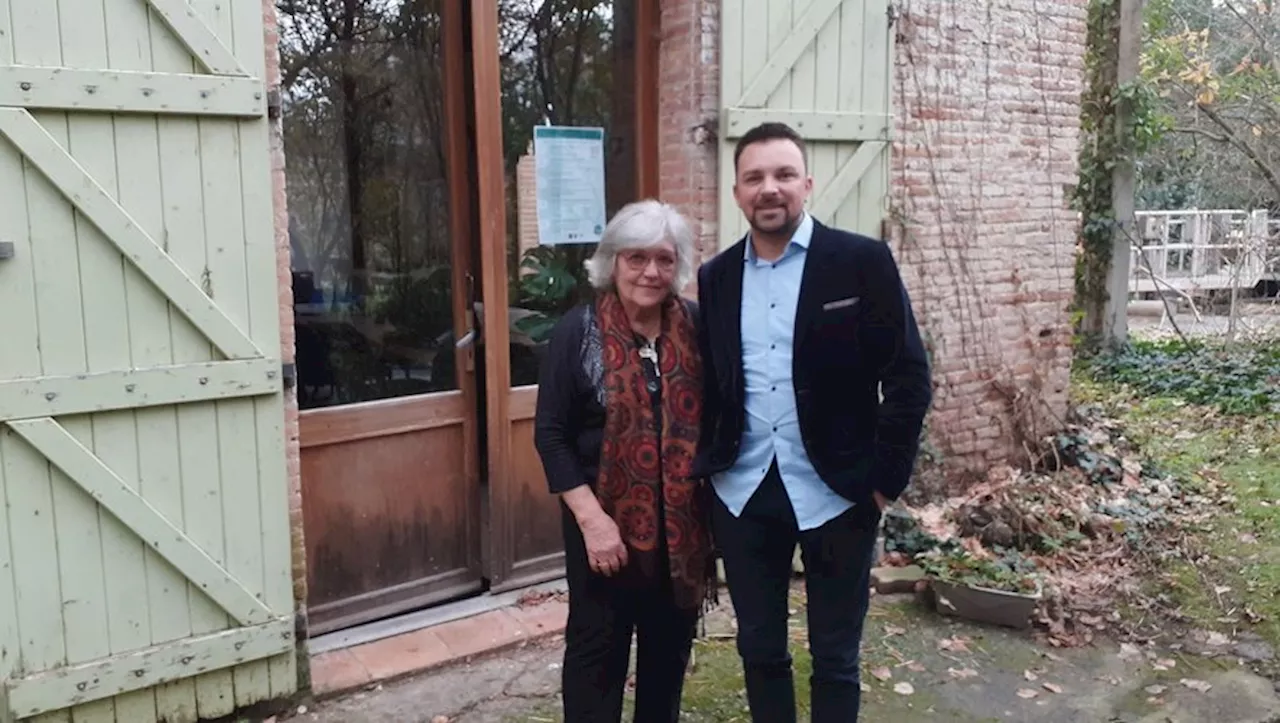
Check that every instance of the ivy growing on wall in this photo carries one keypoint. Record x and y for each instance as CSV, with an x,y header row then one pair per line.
x,y
1104,145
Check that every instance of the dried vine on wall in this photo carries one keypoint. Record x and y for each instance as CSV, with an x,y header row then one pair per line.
x,y
941,232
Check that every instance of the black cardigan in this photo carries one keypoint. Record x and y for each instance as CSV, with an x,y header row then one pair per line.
x,y
569,422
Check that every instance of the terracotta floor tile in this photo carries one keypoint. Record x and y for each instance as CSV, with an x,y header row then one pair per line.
x,y
337,670
480,633
549,617
402,654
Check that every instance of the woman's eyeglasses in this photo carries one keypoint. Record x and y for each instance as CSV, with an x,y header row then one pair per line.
x,y
640,260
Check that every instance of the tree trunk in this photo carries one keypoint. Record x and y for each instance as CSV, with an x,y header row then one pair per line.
x,y
351,116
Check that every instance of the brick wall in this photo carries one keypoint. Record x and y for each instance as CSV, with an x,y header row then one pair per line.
x,y
526,205
986,98
284,278
688,106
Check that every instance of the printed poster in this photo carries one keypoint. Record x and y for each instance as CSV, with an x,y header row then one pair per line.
x,y
569,166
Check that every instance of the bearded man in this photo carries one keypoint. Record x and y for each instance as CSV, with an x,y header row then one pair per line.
x,y
816,388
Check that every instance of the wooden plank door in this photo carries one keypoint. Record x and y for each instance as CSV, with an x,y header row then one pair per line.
x,y
380,205
144,563
823,67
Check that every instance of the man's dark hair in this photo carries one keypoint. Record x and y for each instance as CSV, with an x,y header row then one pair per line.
x,y
769,131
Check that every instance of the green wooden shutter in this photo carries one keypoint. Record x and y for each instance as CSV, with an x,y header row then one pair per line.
x,y
824,67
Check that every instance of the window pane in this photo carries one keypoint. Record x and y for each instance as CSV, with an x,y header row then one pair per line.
x,y
369,201
564,63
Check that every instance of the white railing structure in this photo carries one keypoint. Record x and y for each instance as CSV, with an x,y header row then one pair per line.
x,y
1196,251
1272,253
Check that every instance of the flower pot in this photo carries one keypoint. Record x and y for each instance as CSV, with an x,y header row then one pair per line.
x,y
984,605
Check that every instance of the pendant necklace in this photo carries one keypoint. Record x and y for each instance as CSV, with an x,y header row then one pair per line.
x,y
649,351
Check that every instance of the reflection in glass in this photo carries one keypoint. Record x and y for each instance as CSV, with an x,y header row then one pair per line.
x,y
369,202
565,63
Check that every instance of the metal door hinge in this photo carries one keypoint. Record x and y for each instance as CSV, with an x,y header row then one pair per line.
x,y
6,250
893,14
273,104
289,375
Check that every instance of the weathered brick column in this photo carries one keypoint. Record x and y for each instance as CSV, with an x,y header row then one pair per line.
x,y
284,277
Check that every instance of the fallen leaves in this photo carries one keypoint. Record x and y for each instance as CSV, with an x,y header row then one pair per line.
x,y
882,674
957,644
904,688
1217,640
962,674
534,598
1090,517
1027,693
1199,686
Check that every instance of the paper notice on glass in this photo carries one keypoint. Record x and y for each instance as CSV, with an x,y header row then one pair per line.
x,y
569,163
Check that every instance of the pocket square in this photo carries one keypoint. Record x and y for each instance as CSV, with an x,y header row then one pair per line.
x,y
840,304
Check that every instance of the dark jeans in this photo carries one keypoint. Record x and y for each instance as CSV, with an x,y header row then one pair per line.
x,y
603,613
757,550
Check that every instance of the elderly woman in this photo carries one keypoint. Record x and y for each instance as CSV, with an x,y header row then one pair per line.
x,y
619,405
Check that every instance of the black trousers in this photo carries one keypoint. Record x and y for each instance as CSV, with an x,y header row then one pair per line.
x,y
603,614
757,549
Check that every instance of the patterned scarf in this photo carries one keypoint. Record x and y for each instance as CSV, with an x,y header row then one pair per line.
x,y
635,475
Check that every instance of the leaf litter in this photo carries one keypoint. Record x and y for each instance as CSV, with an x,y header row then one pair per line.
x,y
1083,520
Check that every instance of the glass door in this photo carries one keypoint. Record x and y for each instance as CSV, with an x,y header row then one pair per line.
x,y
375,116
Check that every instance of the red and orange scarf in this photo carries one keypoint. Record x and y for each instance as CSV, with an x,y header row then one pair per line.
x,y
638,466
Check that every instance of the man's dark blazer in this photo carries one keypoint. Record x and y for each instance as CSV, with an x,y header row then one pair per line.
x,y
854,332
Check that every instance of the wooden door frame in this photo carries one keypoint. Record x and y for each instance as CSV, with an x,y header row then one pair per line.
x,y
503,405
462,261
491,235
648,45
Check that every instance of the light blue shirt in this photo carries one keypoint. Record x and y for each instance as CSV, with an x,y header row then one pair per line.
x,y
770,291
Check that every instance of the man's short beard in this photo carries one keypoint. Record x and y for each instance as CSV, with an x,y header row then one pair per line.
x,y
788,227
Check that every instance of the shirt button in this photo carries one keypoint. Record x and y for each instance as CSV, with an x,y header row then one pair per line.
x,y
773,389
773,305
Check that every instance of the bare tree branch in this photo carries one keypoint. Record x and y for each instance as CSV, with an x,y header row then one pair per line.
x,y
1216,137
1263,167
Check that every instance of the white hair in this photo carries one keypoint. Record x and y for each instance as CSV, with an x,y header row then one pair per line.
x,y
643,224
